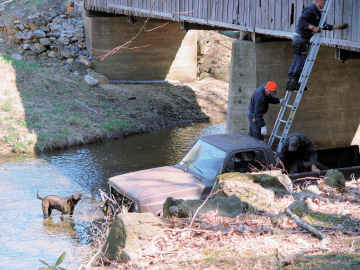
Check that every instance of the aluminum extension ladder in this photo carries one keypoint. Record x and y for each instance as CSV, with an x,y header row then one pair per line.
x,y
305,74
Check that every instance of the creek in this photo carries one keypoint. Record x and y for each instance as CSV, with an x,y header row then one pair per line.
x,y
26,237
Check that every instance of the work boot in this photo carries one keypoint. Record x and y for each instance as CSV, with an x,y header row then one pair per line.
x,y
298,87
292,84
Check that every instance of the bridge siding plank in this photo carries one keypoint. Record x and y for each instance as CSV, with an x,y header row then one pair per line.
x,y
331,20
348,14
235,11
249,22
258,13
356,21
339,5
230,12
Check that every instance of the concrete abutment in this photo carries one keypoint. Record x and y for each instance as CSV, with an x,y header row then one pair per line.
x,y
165,53
329,112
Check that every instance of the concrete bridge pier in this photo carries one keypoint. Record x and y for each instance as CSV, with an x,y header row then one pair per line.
x,y
165,53
329,112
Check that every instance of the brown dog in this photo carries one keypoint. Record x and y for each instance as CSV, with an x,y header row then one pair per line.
x,y
64,205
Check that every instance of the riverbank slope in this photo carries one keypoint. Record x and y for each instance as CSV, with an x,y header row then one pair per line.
x,y
46,104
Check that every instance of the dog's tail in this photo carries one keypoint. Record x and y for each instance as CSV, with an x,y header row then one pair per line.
x,y
38,196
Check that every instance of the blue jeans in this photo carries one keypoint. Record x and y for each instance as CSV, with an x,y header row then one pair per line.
x,y
255,131
300,46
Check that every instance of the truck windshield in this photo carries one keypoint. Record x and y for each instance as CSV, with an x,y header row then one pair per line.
x,y
204,160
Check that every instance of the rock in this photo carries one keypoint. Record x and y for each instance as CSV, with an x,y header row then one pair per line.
x,y
44,41
225,206
26,46
46,29
299,208
20,27
335,179
55,27
258,190
102,79
63,41
19,36
52,39
69,61
52,54
66,53
90,80
37,34
68,68
275,180
55,35
314,189
38,48
17,57
129,234
84,60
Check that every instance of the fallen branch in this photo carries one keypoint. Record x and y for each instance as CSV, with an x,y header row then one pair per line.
x,y
305,225
157,27
88,265
203,203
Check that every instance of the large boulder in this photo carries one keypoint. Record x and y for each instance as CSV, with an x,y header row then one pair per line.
x,y
129,234
335,179
228,207
256,189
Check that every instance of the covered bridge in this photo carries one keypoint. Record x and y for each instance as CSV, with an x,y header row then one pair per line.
x,y
271,17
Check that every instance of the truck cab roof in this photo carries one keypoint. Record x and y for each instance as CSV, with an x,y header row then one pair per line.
x,y
231,142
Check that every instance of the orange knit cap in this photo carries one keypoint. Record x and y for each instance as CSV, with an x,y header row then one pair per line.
x,y
271,86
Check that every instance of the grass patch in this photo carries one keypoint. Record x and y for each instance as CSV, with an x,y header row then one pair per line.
x,y
6,106
19,147
327,262
323,219
19,63
116,124
11,138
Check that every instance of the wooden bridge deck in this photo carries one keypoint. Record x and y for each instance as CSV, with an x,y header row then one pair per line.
x,y
271,17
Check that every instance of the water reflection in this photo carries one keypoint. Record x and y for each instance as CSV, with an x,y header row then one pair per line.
x,y
91,166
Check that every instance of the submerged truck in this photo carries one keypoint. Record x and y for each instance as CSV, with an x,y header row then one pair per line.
x,y
193,177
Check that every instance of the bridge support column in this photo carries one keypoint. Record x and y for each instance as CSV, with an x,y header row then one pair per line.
x,y
165,53
329,111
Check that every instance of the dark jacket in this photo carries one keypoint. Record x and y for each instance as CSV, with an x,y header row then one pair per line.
x,y
306,153
310,15
259,105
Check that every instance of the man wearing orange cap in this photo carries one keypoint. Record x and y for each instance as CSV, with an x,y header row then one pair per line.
x,y
259,105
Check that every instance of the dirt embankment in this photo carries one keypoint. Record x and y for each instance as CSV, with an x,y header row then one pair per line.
x,y
45,103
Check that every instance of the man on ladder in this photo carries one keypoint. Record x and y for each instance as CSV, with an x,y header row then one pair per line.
x,y
302,66
259,105
307,25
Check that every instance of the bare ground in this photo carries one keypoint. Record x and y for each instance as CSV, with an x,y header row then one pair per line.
x,y
43,107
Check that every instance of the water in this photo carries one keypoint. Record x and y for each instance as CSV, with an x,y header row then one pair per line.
x,y
26,237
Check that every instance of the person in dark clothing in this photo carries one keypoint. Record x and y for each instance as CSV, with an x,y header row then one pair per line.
x,y
298,154
259,105
307,25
